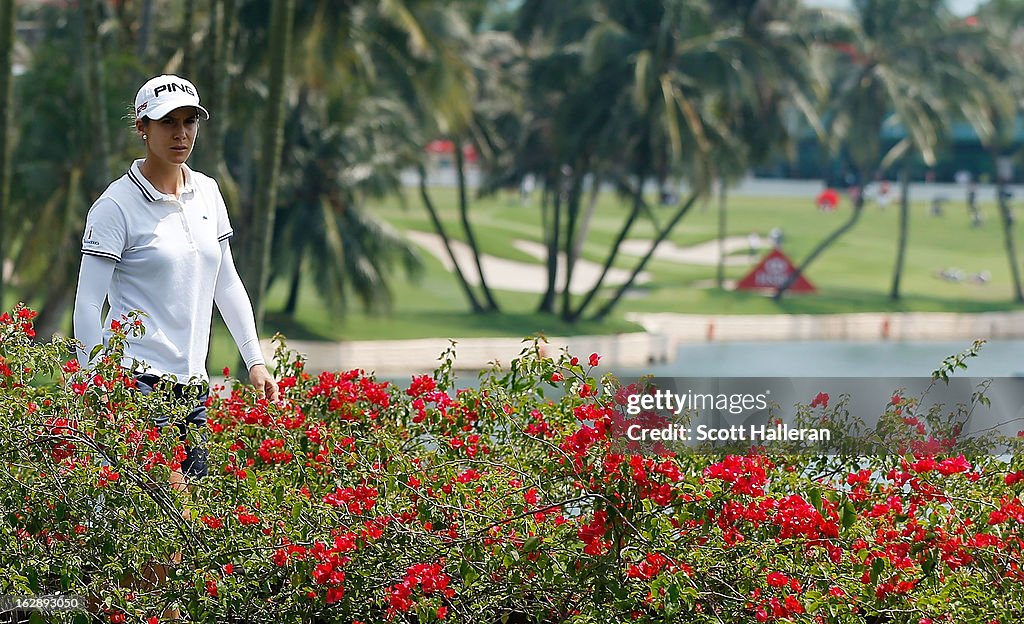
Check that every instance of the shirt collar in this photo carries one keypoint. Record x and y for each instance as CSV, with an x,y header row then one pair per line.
x,y
150,191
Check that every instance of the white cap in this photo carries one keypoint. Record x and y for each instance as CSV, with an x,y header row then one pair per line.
x,y
163,94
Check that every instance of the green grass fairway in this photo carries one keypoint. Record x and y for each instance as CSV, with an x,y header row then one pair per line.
x,y
853,276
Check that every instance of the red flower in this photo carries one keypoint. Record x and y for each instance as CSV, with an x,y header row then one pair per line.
x,y
556,377
212,522
107,475
953,465
421,385
595,359
244,517
821,399
211,588
793,604
229,568
777,579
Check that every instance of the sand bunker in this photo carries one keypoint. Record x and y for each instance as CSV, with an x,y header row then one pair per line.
x,y
505,274
703,254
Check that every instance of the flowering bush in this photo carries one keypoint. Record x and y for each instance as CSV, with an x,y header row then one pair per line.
x,y
356,500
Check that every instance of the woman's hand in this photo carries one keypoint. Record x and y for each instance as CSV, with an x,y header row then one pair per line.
x,y
264,382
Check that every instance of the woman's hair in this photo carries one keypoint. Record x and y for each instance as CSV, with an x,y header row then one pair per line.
x,y
130,116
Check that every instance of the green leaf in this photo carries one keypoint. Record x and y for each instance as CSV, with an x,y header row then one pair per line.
x,y
929,564
849,514
877,567
673,592
815,496
531,544
468,573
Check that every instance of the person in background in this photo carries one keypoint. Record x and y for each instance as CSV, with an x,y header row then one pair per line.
x,y
972,204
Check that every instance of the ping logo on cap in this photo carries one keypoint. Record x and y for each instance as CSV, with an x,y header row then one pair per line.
x,y
171,87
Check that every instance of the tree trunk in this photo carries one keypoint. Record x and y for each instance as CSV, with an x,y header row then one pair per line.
x,y
187,30
1011,248
588,214
638,203
720,273
439,228
547,304
97,99
575,196
221,51
460,174
60,288
55,307
245,184
145,29
292,303
858,207
662,235
7,36
901,243
282,15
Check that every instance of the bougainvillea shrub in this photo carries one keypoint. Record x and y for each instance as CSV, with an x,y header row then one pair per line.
x,y
358,500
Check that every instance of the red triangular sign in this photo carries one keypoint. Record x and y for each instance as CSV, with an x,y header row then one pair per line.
x,y
773,270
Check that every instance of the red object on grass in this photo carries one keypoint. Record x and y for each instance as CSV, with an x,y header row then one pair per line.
x,y
828,199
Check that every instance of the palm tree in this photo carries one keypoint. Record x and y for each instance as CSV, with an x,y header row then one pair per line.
x,y
884,64
94,55
7,37
383,56
995,109
223,27
778,87
950,85
53,182
323,233
58,161
463,56
561,123
667,68
281,20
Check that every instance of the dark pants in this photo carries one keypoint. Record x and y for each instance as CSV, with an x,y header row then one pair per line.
x,y
196,464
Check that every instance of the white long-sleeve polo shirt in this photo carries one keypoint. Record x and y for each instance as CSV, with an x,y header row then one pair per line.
x,y
168,257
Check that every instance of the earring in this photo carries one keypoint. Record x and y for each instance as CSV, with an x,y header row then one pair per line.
x,y
144,137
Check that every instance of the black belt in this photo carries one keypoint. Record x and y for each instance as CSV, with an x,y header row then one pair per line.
x,y
152,380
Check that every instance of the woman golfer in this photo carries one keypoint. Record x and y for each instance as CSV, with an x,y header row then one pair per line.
x,y
156,240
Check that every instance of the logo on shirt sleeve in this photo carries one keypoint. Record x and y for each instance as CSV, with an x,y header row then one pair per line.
x,y
88,238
